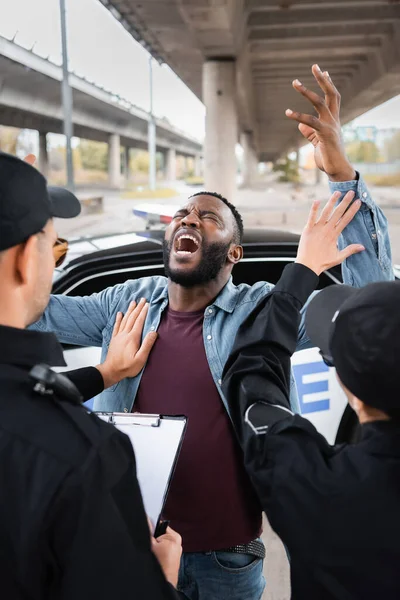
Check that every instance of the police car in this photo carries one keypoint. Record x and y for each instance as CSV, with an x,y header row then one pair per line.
x,y
95,263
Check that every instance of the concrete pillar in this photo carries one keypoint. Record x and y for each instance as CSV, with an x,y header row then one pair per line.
x,y
43,154
171,165
250,161
126,163
221,126
197,166
114,161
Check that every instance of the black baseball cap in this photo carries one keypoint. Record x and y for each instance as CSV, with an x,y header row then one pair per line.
x,y
27,203
358,332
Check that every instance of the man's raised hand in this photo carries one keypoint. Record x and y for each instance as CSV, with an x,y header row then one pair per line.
x,y
324,131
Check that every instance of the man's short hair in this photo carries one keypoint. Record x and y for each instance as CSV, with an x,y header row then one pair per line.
x,y
238,233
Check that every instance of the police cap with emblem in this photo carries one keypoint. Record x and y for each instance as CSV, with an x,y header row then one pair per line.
x,y
358,332
27,203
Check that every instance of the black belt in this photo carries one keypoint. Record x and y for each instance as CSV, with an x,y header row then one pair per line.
x,y
256,548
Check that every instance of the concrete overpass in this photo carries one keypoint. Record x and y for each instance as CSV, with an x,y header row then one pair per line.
x,y
240,57
30,97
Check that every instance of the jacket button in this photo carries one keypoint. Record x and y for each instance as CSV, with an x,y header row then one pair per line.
x,y
209,337
365,195
125,409
210,311
220,381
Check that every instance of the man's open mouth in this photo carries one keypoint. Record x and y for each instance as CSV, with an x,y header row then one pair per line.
x,y
186,244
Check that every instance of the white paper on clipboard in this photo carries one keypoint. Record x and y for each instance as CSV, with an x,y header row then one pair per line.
x,y
156,441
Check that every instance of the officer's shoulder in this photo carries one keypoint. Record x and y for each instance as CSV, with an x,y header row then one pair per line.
x,y
60,428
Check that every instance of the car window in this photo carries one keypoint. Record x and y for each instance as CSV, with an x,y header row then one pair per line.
x,y
250,271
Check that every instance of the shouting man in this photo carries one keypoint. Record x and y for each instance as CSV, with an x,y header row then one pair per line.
x,y
197,311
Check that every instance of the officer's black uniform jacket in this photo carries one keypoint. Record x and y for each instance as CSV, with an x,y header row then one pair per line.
x,y
72,522
337,509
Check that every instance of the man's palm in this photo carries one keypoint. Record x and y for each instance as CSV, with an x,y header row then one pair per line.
x,y
312,136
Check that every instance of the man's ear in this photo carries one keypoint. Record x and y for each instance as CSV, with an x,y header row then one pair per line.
x,y
26,262
235,254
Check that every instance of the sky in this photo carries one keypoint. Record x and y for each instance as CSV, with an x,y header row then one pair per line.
x,y
101,49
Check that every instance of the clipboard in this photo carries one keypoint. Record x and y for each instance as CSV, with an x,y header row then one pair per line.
x,y
157,442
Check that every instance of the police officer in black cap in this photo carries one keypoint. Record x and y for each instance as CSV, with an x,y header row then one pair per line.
x,y
72,522
336,508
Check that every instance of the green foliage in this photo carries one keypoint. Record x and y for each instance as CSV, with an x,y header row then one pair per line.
x,y
392,180
58,158
193,180
363,152
288,169
145,194
139,161
94,155
392,147
9,139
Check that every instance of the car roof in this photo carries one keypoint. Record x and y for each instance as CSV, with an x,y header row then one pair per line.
x,y
86,248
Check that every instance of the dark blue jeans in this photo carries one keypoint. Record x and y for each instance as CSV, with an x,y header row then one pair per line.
x,y
221,576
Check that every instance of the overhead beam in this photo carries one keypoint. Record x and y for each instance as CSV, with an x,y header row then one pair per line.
x,y
326,30
369,86
286,18
313,53
283,84
300,74
282,59
295,4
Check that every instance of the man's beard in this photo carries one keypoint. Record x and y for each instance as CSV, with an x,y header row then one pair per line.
x,y
213,259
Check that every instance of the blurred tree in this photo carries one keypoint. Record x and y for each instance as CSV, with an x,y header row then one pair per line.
x,y
57,158
392,147
363,152
139,161
9,139
93,155
288,169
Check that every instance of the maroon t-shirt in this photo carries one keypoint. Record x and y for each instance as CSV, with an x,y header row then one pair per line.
x,y
211,502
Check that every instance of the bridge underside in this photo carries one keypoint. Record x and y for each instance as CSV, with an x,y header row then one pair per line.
x,y
259,47
30,97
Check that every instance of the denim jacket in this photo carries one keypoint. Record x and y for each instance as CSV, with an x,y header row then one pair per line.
x,y
89,320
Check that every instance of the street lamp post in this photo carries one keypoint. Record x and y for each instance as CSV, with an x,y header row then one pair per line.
x,y
66,96
152,133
